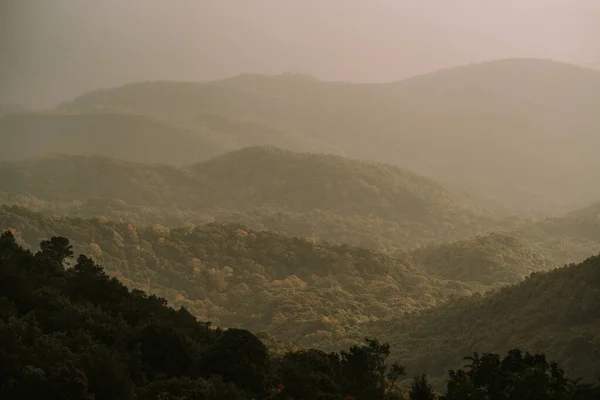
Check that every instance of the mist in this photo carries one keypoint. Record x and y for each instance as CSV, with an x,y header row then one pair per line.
x,y
282,179
54,50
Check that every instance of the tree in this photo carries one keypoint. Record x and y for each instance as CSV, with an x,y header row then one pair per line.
x,y
310,375
239,357
365,372
421,389
191,389
517,376
55,252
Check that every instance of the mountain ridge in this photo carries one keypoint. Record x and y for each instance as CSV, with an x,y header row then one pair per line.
x,y
458,126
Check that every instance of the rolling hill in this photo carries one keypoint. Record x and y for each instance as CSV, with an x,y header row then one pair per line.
x,y
553,312
331,296
125,136
292,288
137,137
494,260
263,185
569,238
507,256
127,345
520,131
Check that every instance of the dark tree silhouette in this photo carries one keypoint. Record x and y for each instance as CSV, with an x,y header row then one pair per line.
x,y
57,249
421,389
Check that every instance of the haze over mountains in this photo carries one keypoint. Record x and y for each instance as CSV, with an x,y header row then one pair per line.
x,y
426,212
55,51
328,197
520,132
411,213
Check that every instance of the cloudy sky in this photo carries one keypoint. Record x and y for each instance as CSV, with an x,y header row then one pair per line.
x,y
52,50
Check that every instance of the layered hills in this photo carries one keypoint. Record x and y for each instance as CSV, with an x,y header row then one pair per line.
x,y
295,288
507,256
493,260
552,312
124,344
434,305
313,194
306,290
156,181
519,131
136,137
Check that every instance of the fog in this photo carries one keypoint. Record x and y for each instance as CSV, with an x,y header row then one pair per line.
x,y
53,50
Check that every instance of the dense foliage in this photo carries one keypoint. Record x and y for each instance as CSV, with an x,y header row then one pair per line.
x,y
492,260
554,312
331,296
75,333
296,288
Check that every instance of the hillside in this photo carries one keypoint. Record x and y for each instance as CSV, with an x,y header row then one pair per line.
x,y
266,175
508,257
137,137
259,183
296,289
292,288
566,239
518,131
553,312
126,345
493,259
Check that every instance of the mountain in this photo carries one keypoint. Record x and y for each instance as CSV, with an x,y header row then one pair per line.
x,y
553,312
519,131
137,137
261,184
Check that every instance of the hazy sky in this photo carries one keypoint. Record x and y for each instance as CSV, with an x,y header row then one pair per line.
x,y
52,50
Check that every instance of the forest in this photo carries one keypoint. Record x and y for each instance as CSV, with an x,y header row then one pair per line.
x,y
284,237
257,185
124,344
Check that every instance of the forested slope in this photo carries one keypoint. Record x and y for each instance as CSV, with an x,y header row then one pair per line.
x,y
491,260
553,312
75,333
568,238
299,193
509,255
294,288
